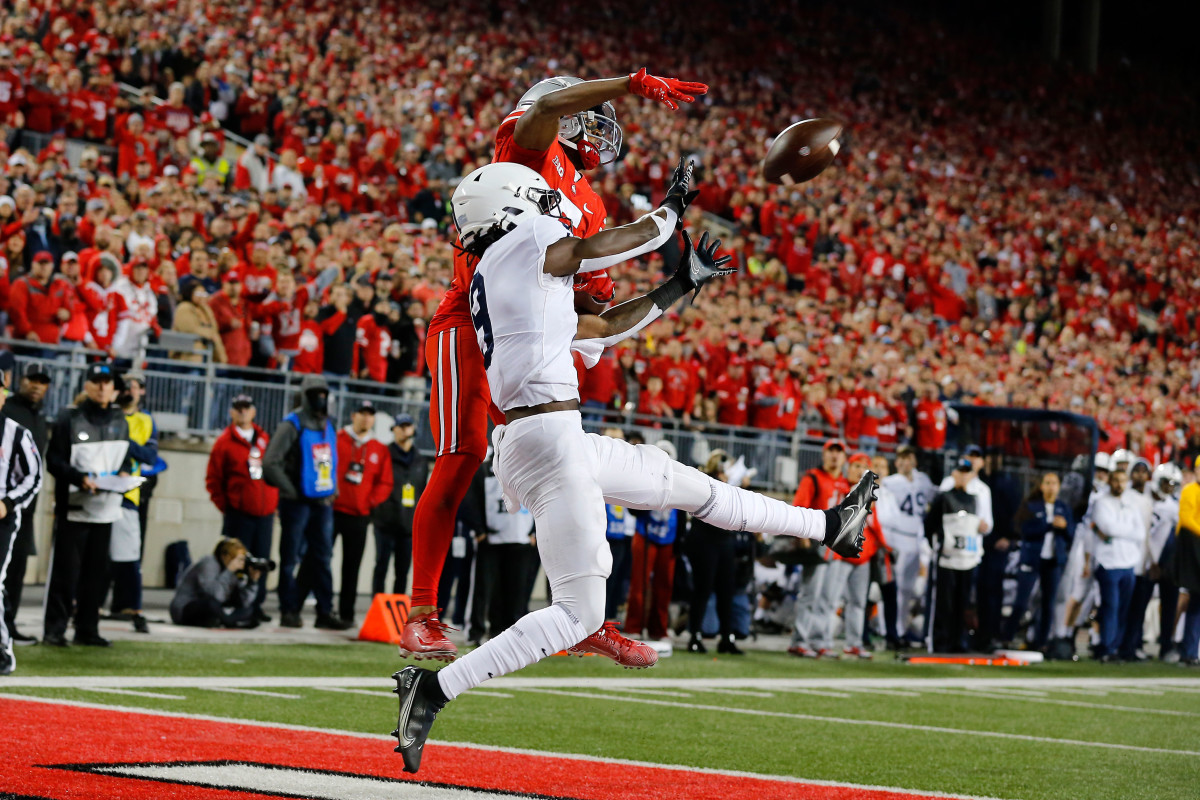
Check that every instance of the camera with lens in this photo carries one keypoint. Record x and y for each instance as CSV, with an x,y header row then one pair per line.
x,y
260,564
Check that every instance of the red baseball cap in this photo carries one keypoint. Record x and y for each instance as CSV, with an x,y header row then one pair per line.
x,y
832,443
233,276
43,255
861,457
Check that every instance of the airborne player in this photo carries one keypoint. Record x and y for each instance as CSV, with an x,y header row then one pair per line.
x,y
560,128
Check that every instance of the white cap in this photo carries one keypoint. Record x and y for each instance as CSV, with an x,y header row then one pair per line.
x,y
1121,456
1103,461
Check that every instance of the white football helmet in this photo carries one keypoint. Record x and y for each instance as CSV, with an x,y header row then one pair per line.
x,y
602,134
1170,473
1122,456
490,201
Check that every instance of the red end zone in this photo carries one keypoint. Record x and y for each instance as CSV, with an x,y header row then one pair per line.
x,y
65,751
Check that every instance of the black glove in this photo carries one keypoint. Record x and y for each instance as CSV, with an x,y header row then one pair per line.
x,y
696,268
700,265
679,196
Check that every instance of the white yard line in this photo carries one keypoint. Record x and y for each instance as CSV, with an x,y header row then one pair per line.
x,y
888,692
1020,692
515,750
1077,690
741,692
485,693
867,722
134,693
813,692
256,692
1076,703
638,690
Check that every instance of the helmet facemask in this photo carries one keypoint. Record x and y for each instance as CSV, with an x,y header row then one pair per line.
x,y
595,134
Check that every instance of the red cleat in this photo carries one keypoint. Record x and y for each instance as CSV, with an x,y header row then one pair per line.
x,y
424,637
609,642
858,652
825,652
800,651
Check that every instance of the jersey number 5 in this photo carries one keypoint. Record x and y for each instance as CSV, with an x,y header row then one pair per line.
x,y
480,319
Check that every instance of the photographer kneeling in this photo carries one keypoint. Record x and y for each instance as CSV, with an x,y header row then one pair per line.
x,y
219,591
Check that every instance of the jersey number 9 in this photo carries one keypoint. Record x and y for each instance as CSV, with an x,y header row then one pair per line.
x,y
480,319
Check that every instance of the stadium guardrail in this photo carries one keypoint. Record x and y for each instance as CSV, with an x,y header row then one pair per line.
x,y
192,400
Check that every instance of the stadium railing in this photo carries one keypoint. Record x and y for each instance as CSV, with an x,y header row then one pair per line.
x,y
191,400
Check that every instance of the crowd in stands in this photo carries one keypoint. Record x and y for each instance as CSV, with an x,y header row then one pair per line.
x,y
994,231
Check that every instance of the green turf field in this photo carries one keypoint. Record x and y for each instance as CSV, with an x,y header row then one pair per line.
x,y
1137,736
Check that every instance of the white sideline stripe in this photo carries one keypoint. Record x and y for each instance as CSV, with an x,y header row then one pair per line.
x,y
740,692
257,692
497,749
1076,703
678,684
133,693
868,722
1076,690
663,692
1132,690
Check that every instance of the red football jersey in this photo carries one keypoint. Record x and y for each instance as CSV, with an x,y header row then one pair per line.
x,y
578,202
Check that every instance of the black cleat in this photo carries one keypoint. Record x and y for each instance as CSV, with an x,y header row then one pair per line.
x,y
421,698
845,522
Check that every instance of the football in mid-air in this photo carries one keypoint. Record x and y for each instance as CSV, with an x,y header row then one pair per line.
x,y
802,151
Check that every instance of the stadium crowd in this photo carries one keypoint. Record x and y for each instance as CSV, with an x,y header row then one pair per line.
x,y
970,245
994,232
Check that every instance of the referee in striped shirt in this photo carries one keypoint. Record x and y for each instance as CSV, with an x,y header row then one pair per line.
x,y
20,480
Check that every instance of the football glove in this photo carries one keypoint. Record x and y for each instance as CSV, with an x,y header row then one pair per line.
x,y
597,285
700,265
680,194
668,91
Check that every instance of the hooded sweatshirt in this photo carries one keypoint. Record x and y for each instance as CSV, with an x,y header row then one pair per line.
x,y
283,462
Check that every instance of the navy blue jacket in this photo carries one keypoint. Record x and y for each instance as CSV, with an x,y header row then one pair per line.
x,y
1034,527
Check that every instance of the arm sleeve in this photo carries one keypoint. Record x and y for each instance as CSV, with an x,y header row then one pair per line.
x,y
214,480
983,507
214,580
591,349
58,453
146,453
275,460
25,473
1189,509
383,487
665,228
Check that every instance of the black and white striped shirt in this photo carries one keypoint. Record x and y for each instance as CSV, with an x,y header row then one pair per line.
x,y
20,469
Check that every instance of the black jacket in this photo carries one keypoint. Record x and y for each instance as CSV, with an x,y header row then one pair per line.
x,y
86,425
409,469
20,410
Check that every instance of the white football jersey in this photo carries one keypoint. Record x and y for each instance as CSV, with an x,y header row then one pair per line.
x,y
525,318
504,527
913,497
1163,522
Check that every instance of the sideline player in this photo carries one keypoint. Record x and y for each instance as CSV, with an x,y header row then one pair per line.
x,y
906,530
525,322
561,126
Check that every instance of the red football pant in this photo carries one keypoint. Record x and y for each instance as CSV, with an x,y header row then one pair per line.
x,y
458,411
652,576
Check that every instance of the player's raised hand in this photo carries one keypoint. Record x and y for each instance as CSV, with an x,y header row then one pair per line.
x,y
668,91
680,193
701,265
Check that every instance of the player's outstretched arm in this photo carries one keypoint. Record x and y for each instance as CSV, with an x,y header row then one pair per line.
x,y
696,267
609,248
538,127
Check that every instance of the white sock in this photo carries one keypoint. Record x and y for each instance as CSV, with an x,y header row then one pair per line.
x,y
736,509
532,638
